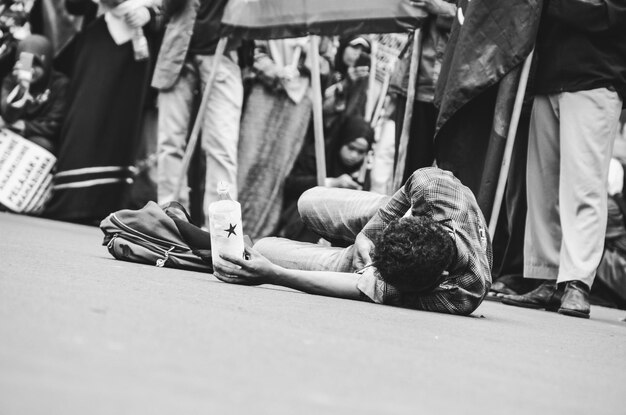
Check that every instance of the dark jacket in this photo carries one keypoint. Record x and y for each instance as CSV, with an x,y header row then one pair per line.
x,y
581,45
191,27
42,118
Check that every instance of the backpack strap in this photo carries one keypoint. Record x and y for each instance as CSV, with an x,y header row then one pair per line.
x,y
176,210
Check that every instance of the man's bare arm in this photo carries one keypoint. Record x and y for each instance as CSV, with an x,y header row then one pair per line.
x,y
259,270
330,284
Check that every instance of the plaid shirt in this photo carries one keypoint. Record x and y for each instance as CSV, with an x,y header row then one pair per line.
x,y
439,195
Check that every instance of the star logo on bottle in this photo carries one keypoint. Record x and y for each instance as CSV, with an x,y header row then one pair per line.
x,y
231,230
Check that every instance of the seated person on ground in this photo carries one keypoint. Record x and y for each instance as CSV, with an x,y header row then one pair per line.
x,y
34,100
428,244
345,155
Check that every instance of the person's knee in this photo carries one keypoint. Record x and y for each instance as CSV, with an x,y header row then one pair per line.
x,y
309,201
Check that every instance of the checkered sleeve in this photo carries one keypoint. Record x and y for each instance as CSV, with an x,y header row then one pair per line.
x,y
461,296
398,205
439,195
372,287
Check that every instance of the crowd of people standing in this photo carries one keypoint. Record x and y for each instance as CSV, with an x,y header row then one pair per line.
x,y
257,135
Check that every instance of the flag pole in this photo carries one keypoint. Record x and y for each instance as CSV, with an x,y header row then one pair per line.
x,y
197,125
318,123
371,82
378,110
510,141
408,110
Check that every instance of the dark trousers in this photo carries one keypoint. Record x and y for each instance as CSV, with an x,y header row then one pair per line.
x,y
508,241
421,148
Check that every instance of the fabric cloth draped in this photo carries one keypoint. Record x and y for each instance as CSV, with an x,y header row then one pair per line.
x,y
273,128
103,123
272,133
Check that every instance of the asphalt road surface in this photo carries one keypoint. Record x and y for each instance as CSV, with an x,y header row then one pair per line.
x,y
82,333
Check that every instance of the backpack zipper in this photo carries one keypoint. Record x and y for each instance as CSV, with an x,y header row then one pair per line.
x,y
161,261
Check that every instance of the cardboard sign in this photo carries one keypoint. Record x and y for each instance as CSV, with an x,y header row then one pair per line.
x,y
25,173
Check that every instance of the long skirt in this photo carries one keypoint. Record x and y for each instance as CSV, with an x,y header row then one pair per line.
x,y
273,129
102,128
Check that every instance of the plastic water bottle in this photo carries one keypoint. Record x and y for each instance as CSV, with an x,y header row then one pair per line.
x,y
225,226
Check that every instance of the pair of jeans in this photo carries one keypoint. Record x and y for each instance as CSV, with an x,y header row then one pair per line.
x,y
220,127
337,215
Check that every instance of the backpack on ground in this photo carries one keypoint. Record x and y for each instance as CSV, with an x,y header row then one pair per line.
x,y
159,236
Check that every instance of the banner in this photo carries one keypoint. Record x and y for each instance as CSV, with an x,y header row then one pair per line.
x,y
276,19
489,39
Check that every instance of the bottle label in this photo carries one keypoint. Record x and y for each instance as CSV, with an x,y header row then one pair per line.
x,y
226,234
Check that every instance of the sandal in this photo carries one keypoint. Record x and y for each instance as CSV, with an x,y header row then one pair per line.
x,y
498,290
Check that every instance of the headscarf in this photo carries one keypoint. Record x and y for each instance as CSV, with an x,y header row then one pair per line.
x,y
43,53
351,128
344,42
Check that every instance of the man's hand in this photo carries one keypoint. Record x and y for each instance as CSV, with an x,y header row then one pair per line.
x,y
137,17
344,182
255,270
288,73
362,248
436,7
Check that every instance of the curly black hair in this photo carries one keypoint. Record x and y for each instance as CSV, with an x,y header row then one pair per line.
x,y
412,253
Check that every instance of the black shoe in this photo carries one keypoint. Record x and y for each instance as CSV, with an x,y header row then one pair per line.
x,y
575,301
546,296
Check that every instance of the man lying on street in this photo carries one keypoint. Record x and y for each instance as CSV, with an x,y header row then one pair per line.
x,y
428,244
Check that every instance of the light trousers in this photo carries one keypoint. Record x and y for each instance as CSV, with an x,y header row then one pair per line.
x,y
220,128
570,144
337,215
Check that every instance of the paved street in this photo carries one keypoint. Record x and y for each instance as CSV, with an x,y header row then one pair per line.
x,y
82,333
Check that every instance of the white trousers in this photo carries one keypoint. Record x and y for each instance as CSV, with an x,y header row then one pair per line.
x,y
220,129
570,144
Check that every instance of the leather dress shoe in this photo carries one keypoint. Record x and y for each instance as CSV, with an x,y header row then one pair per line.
x,y
546,296
575,301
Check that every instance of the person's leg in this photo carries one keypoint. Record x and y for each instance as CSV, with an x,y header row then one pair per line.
x,y
611,274
509,273
421,147
305,256
220,130
588,126
338,215
174,113
542,241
